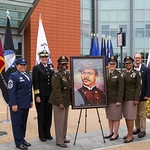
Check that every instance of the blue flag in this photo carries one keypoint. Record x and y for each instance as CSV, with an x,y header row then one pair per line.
x,y
109,50
94,51
103,47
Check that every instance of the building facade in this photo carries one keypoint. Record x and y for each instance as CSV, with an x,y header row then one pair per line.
x,y
68,26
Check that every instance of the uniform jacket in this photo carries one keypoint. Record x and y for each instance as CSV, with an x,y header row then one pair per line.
x,y
145,73
132,85
20,90
41,77
92,97
115,87
61,85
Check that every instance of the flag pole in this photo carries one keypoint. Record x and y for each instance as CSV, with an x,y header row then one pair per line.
x,y
2,76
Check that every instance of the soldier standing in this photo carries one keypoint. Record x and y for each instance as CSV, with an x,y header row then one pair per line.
x,y
60,99
132,91
41,77
20,100
115,91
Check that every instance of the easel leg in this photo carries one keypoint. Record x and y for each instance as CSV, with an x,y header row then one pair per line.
x,y
85,120
100,124
77,126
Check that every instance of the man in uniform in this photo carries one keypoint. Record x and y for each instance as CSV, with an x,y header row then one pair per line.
x,y
140,121
20,100
89,94
41,77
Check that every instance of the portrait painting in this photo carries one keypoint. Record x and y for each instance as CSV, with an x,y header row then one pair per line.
x,y
88,75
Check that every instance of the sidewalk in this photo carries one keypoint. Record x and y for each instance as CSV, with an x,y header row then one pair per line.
x,y
89,141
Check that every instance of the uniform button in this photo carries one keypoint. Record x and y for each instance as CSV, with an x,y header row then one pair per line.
x,y
95,91
97,97
84,92
48,83
65,88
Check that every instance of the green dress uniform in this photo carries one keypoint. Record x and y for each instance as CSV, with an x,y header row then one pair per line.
x,y
132,91
115,91
61,85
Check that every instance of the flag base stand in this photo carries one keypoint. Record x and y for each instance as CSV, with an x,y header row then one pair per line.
x,y
5,121
3,133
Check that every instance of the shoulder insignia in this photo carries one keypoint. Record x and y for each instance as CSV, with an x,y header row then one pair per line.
x,y
10,84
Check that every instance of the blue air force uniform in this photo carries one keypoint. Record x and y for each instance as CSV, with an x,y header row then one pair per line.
x,y
20,94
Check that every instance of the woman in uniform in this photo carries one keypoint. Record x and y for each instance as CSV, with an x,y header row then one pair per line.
x,y
115,89
20,100
132,91
60,99
41,77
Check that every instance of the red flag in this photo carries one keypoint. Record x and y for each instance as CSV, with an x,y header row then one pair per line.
x,y
2,61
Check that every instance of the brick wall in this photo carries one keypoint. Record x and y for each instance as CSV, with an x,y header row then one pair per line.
x,y
61,21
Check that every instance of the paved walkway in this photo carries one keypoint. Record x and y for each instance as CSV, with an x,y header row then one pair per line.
x,y
89,141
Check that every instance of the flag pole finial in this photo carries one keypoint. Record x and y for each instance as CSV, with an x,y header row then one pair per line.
x,y
7,14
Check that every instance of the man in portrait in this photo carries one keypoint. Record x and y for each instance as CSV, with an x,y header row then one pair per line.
x,y
89,94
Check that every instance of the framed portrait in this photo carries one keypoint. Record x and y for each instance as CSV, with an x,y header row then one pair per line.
x,y
88,75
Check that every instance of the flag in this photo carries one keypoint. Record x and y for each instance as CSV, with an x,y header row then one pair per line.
x,y
103,47
94,51
109,50
148,60
2,61
9,53
41,42
9,57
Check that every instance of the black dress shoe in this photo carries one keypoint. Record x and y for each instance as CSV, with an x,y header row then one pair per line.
x,y
136,131
43,140
141,134
66,141
108,136
49,138
115,138
62,145
125,137
26,143
128,141
22,147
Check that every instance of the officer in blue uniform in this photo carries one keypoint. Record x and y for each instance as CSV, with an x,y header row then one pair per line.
x,y
20,100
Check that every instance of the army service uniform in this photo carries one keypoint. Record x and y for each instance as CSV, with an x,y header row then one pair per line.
x,y
132,91
115,90
61,84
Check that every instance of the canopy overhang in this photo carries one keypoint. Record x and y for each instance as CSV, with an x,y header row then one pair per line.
x,y
19,12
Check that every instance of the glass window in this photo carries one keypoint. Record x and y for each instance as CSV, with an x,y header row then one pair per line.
x,y
139,15
140,4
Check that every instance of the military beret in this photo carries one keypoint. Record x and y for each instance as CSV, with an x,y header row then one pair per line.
x,y
112,59
128,59
62,60
44,53
21,61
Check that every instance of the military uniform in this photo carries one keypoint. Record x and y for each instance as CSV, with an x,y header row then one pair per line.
x,y
115,91
93,97
41,76
132,91
61,85
20,94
